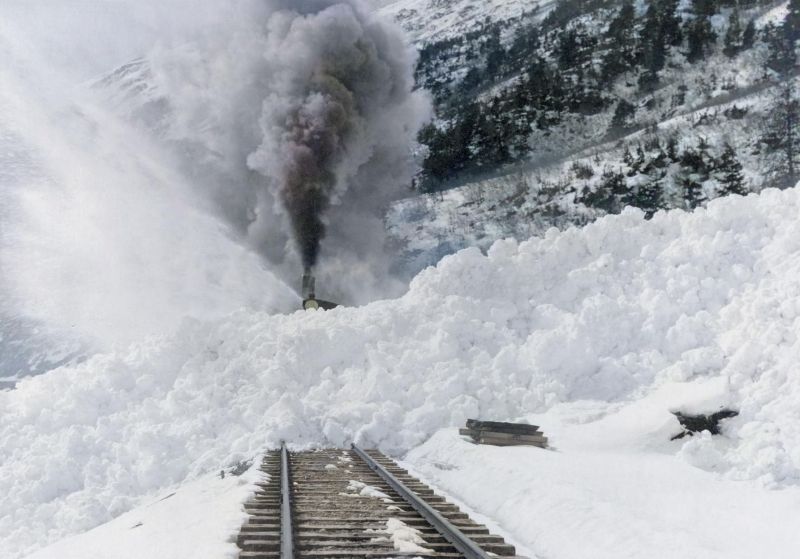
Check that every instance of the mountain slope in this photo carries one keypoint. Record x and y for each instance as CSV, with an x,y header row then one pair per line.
x,y
436,20
557,118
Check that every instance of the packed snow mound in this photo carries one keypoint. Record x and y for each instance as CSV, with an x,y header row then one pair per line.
x,y
608,312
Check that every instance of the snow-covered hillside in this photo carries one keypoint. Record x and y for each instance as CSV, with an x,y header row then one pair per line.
x,y
429,20
609,314
583,108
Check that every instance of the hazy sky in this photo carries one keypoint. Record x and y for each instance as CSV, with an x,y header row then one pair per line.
x,y
89,37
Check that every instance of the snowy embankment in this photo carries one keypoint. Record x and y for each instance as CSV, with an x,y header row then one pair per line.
x,y
197,520
612,487
609,313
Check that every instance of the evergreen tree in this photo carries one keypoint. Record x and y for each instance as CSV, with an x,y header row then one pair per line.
x,y
493,138
627,158
693,162
526,42
620,40
782,54
608,193
623,116
672,149
620,29
694,171
782,123
659,161
749,35
568,50
700,37
650,197
708,161
637,162
782,135
437,166
706,8
670,22
791,25
693,196
653,49
472,79
729,171
733,36
495,53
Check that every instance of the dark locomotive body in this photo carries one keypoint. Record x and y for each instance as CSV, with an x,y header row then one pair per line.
x,y
310,301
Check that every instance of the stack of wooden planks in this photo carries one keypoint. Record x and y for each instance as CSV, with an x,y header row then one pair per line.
x,y
498,433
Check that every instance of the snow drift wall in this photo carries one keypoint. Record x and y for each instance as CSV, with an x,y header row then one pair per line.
x,y
606,312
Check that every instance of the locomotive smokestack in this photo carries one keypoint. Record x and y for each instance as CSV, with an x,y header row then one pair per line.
x,y
310,301
308,284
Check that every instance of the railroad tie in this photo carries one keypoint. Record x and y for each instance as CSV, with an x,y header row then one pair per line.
x,y
355,504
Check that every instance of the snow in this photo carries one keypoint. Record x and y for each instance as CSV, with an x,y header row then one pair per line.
x,y
198,520
594,498
103,241
617,323
428,20
361,489
405,538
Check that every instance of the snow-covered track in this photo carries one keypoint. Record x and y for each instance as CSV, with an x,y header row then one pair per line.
x,y
355,503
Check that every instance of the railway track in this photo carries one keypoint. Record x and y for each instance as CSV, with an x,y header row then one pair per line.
x,y
355,504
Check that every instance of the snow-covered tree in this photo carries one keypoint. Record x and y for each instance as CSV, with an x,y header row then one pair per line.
x,y
729,173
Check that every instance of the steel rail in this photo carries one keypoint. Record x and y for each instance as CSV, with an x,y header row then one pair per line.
x,y
460,541
287,531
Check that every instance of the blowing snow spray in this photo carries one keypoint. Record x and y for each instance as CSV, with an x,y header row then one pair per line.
x,y
340,97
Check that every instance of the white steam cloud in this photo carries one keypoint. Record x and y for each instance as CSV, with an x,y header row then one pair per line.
x,y
111,231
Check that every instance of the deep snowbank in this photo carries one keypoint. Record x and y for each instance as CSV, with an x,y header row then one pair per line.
x,y
605,313
610,503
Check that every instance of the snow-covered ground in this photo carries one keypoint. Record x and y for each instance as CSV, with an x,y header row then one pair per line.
x,y
608,328
604,492
198,520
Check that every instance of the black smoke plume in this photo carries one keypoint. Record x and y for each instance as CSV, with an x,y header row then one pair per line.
x,y
313,145
340,81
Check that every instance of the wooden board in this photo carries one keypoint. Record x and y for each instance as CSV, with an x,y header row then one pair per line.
x,y
501,427
494,441
538,438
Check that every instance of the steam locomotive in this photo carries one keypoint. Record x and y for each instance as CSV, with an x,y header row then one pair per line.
x,y
310,301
